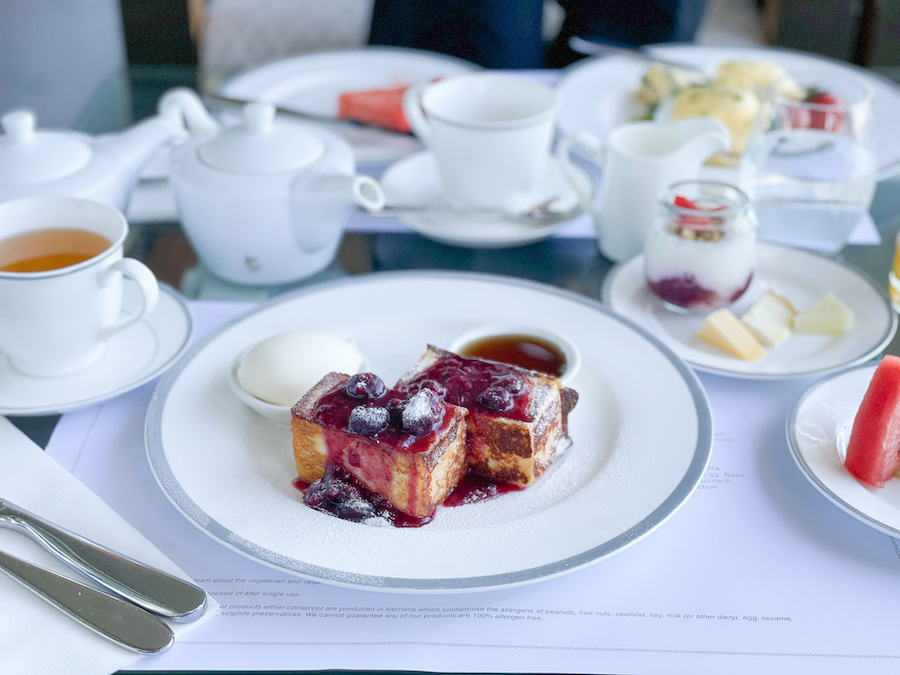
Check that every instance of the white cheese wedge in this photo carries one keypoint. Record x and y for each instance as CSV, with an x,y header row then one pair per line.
x,y
723,330
770,319
826,315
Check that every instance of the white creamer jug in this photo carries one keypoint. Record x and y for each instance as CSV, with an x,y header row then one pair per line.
x,y
639,160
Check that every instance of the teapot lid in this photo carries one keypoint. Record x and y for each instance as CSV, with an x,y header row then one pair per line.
x,y
261,146
27,157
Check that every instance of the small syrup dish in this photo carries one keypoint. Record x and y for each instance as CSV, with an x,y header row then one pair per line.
x,y
521,345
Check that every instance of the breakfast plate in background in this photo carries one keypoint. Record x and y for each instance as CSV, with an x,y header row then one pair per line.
x,y
415,181
313,82
818,429
597,94
133,357
803,277
230,471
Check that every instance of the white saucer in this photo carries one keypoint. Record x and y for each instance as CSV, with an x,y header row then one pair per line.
x,y
134,356
818,428
803,277
415,180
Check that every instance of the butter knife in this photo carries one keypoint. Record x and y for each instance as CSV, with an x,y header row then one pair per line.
x,y
114,619
150,588
221,102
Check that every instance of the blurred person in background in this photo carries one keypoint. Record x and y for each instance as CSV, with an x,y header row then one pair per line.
x,y
508,33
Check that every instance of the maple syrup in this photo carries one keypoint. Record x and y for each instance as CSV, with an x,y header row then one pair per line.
x,y
525,351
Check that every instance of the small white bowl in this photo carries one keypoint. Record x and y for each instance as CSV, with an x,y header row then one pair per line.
x,y
570,352
279,414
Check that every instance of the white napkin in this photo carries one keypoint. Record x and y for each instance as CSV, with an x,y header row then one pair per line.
x,y
34,636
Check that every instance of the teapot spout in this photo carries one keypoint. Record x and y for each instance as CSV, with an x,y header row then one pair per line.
x,y
699,138
128,151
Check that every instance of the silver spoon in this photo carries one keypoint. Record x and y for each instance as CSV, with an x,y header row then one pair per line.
x,y
145,586
540,213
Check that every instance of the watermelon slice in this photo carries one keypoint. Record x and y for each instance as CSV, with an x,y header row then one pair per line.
x,y
381,107
873,452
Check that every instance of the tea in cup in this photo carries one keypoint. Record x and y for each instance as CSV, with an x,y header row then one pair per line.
x,y
61,287
491,135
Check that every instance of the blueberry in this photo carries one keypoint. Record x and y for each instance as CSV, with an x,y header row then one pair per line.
x,y
421,413
369,420
395,407
498,399
512,382
365,385
427,383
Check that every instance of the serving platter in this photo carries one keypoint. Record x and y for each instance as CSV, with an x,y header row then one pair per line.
x,y
642,433
818,429
313,82
803,277
596,94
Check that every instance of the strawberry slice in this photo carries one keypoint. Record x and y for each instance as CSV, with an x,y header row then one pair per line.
x,y
828,119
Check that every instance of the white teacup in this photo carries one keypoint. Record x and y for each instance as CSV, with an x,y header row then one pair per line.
x,y
490,133
61,270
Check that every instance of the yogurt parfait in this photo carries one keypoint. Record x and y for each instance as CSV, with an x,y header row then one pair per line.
x,y
700,253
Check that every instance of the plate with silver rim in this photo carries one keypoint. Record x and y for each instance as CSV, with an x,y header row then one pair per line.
x,y
597,94
133,357
818,430
803,277
313,82
642,436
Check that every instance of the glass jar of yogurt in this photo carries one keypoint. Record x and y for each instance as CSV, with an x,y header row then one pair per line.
x,y
700,253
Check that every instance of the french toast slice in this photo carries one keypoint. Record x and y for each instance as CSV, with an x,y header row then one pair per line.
x,y
517,422
409,447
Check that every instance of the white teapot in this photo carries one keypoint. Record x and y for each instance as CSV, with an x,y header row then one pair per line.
x,y
105,168
264,202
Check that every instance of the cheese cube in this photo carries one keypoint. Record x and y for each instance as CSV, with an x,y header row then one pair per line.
x,y
826,315
722,329
770,319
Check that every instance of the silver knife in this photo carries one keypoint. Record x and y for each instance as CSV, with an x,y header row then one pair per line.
x,y
114,619
150,588
235,104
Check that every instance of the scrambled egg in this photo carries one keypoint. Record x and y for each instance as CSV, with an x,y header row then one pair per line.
x,y
735,107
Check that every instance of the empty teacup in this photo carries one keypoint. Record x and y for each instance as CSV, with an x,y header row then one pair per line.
x,y
61,288
490,133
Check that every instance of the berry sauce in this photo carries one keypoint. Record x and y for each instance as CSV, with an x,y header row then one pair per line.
x,y
684,291
341,495
483,386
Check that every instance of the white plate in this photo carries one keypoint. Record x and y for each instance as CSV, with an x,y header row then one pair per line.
x,y
415,180
803,277
133,356
642,434
595,95
818,428
313,82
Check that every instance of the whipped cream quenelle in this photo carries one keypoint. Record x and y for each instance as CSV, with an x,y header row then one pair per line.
x,y
700,254
281,368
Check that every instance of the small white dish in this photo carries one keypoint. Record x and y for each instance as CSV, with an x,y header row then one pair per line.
x,y
415,180
133,357
279,414
818,429
571,354
803,277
